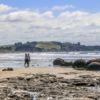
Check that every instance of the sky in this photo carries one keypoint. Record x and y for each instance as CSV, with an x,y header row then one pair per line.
x,y
50,20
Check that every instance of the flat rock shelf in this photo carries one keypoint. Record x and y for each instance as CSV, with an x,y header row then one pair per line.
x,y
49,87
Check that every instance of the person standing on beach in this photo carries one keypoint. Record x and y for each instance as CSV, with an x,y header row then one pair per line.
x,y
27,60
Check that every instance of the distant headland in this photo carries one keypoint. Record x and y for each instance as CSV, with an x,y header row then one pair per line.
x,y
51,46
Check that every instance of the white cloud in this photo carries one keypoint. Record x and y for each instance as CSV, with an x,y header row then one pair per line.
x,y
62,7
5,8
35,26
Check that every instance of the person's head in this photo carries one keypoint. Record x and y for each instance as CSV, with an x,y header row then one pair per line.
x,y
25,54
28,54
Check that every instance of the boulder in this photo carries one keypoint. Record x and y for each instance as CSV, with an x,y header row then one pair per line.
x,y
7,69
58,61
61,62
80,63
67,64
94,66
93,60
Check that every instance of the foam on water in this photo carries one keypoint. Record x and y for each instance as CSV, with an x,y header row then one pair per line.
x,y
44,59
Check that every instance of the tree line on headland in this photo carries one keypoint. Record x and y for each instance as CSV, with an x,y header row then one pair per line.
x,y
52,46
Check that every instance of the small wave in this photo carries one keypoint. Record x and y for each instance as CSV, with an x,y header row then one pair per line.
x,y
17,59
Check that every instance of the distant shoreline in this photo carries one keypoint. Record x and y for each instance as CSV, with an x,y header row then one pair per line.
x,y
48,51
50,46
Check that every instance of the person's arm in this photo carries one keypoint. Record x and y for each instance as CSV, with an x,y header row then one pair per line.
x,y
29,58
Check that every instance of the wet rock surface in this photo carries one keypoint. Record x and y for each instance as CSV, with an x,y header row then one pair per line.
x,y
49,87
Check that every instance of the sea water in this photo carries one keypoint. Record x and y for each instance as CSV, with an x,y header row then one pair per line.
x,y
44,59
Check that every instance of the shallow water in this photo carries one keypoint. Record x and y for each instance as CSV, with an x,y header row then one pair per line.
x,y
34,94
94,89
44,59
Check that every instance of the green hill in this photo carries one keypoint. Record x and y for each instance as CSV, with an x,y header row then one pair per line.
x,y
48,46
52,46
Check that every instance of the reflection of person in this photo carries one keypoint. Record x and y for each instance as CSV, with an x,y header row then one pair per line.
x,y
27,60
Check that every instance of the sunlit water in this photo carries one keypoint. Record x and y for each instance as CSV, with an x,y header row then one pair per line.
x,y
94,89
44,59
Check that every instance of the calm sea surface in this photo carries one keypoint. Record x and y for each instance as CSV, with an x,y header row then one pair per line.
x,y
44,59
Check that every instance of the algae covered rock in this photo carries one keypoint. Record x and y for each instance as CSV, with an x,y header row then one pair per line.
x,y
58,61
80,63
93,60
94,66
61,62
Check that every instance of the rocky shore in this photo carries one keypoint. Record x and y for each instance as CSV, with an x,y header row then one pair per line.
x,y
50,87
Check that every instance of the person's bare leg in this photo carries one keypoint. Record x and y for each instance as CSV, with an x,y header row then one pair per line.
x,y
28,64
25,64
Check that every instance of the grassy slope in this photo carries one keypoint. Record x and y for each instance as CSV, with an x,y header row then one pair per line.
x,y
48,45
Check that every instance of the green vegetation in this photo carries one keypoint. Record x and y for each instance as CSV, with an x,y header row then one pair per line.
x,y
48,46
81,69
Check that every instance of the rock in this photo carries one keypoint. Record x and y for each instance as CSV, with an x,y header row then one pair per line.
x,y
80,84
50,98
7,69
20,78
93,60
47,85
69,64
80,63
86,76
58,61
55,92
61,62
11,95
94,66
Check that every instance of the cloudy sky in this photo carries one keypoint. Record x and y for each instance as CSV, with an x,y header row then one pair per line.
x,y
50,20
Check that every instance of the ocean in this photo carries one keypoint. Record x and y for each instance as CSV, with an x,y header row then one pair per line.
x,y
44,59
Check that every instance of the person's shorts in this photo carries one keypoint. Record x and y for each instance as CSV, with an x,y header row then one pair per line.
x,y
27,61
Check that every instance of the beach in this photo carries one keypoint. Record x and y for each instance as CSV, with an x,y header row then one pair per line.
x,y
49,49
60,72
49,84
45,81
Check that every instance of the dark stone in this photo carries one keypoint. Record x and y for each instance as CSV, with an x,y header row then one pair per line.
x,y
94,66
80,84
61,62
93,60
7,69
80,63
20,78
58,61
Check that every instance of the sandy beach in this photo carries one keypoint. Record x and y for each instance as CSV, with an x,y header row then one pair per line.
x,y
60,72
